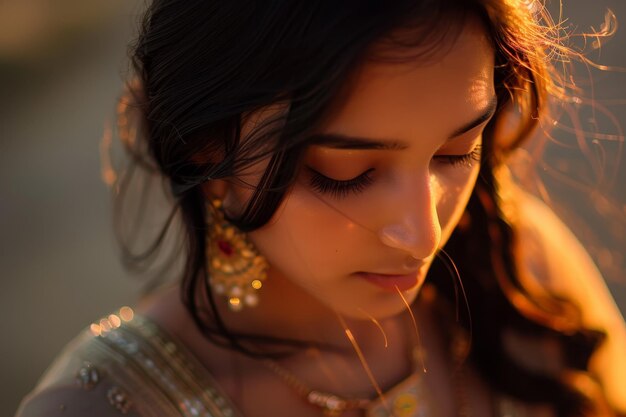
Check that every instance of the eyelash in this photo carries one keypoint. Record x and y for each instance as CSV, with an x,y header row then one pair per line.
x,y
342,188
461,160
337,188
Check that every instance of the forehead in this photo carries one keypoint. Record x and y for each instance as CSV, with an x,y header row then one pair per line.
x,y
452,82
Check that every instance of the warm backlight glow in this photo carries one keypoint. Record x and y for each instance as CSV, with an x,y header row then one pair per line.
x,y
96,330
256,284
115,321
109,176
105,325
127,313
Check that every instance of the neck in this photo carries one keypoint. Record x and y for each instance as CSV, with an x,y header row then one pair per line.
x,y
341,373
287,312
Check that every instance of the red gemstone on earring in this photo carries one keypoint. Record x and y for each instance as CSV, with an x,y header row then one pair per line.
x,y
225,247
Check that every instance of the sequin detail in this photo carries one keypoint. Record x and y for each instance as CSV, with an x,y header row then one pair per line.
x,y
176,373
119,399
88,376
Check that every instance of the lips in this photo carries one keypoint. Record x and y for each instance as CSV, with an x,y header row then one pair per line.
x,y
391,282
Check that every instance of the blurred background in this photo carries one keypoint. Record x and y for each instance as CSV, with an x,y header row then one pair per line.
x,y
62,65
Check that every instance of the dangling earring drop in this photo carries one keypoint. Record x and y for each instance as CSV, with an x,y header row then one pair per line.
x,y
235,267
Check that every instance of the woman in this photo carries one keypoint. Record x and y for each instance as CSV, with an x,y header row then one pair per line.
x,y
353,244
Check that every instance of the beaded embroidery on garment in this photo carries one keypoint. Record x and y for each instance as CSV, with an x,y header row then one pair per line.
x,y
138,370
128,368
175,372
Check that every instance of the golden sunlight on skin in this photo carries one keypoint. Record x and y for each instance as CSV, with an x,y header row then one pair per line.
x,y
316,244
584,285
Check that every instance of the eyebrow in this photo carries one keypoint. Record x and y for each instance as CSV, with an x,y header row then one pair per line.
x,y
339,141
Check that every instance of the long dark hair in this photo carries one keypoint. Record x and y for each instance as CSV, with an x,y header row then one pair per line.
x,y
202,67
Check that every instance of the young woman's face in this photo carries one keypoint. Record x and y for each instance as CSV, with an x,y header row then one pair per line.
x,y
386,184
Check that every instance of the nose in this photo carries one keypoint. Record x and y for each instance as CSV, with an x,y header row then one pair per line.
x,y
415,227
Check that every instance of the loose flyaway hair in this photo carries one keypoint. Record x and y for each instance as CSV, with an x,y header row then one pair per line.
x,y
205,68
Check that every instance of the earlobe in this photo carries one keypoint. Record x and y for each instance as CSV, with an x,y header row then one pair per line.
x,y
222,190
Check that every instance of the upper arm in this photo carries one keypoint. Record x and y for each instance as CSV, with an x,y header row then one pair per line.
x,y
561,264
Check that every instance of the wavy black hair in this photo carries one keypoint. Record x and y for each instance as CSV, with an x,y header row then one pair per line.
x,y
202,67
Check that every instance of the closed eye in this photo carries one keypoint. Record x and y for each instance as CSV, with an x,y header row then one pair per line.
x,y
465,160
340,188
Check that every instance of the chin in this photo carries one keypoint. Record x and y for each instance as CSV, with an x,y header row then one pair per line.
x,y
382,306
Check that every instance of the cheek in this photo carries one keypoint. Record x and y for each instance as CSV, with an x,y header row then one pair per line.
x,y
315,241
308,240
455,190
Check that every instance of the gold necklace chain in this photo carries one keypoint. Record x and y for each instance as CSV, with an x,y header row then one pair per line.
x,y
332,405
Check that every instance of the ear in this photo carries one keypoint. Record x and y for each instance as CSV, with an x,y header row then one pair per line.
x,y
222,190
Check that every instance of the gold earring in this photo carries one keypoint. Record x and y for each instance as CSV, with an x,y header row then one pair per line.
x,y
235,267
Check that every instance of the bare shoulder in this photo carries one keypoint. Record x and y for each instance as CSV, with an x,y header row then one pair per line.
x,y
560,263
73,401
